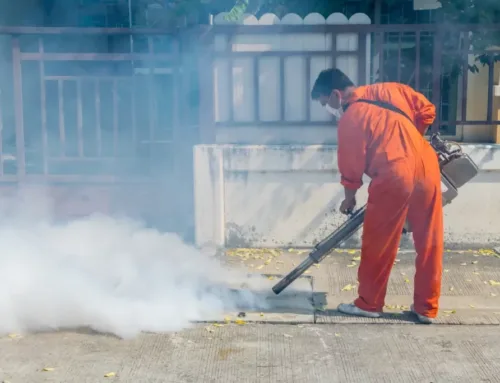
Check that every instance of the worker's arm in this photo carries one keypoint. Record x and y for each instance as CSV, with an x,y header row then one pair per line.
x,y
351,156
425,111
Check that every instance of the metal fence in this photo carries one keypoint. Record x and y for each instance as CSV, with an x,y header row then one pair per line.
x,y
434,59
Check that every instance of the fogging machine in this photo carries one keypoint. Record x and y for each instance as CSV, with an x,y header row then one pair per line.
x,y
457,168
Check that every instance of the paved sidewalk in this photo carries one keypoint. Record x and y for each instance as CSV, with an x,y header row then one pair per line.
x,y
262,354
470,291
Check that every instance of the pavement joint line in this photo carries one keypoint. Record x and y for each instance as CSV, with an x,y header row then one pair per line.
x,y
351,323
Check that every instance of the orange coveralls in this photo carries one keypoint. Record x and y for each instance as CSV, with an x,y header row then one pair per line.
x,y
405,183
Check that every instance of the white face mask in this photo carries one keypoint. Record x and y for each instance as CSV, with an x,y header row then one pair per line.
x,y
336,112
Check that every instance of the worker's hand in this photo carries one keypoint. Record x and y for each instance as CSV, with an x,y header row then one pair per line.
x,y
347,205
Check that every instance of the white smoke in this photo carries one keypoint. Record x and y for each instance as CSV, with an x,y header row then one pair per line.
x,y
111,275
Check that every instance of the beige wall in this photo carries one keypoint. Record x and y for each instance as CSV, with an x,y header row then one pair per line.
x,y
477,104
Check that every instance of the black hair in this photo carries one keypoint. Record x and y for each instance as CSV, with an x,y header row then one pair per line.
x,y
328,80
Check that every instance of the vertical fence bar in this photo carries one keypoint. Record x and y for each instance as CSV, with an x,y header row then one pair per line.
x,y
230,88
381,59
491,79
436,78
18,107
115,117
177,108
62,132
256,90
98,117
417,61
133,113
307,94
361,58
399,55
79,116
43,109
282,88
465,75
151,98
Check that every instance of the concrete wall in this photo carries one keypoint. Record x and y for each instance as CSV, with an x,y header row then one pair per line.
x,y
275,196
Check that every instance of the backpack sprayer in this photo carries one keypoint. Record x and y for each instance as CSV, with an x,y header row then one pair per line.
x,y
457,168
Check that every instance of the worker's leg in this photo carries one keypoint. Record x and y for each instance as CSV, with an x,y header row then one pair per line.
x,y
425,215
382,228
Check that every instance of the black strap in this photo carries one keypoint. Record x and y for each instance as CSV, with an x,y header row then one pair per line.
x,y
384,105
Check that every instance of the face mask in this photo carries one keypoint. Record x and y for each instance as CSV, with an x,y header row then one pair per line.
x,y
336,112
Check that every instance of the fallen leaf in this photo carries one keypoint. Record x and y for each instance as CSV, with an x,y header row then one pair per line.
x,y
267,262
218,325
227,319
261,314
468,280
270,277
260,267
449,312
452,288
14,336
403,274
308,272
463,264
407,280
240,322
493,294
354,264
446,270
493,283
293,264
358,258
209,329
110,374
48,369
348,287
472,306
337,335
487,252
317,265
474,262
475,273
351,251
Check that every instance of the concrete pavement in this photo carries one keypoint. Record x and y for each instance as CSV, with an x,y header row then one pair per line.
x,y
301,338
261,353
470,291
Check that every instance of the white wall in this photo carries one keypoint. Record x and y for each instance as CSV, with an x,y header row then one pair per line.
x,y
277,196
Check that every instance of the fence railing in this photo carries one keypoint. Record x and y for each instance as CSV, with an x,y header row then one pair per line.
x,y
263,68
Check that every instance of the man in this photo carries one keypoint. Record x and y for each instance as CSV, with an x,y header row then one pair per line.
x,y
388,145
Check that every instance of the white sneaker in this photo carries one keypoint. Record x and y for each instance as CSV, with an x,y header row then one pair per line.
x,y
421,318
352,309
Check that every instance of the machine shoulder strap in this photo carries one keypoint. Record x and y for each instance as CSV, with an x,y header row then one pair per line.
x,y
384,105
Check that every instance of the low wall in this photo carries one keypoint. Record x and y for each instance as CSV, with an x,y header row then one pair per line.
x,y
288,196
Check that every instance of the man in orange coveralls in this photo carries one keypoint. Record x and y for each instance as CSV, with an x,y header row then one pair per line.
x,y
389,146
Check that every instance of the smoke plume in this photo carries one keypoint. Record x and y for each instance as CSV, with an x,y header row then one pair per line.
x,y
110,275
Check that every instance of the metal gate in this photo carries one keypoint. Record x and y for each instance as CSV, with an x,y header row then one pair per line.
x,y
101,130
